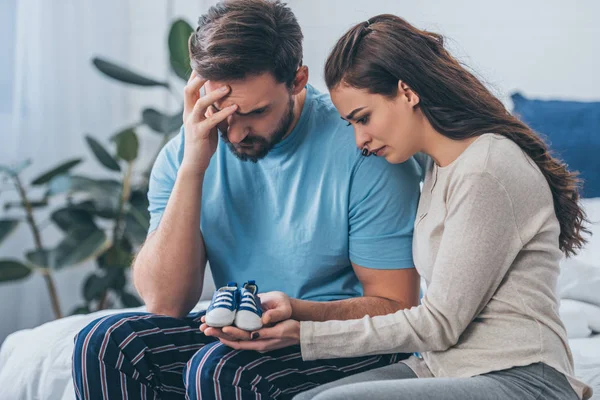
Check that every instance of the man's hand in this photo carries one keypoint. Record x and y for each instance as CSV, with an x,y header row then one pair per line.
x,y
200,127
276,306
227,332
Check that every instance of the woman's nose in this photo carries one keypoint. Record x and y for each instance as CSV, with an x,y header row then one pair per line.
x,y
362,139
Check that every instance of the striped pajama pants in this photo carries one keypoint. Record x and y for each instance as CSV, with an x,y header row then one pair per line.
x,y
147,356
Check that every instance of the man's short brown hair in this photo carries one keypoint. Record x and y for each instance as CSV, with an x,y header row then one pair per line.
x,y
240,38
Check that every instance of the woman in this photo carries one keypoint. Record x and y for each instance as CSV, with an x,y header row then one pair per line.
x,y
496,213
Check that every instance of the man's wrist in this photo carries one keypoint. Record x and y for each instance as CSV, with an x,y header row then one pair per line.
x,y
295,304
190,172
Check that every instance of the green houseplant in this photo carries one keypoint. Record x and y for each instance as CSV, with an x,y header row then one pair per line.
x,y
104,219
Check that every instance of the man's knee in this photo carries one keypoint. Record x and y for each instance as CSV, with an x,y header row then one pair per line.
x,y
209,367
94,338
209,361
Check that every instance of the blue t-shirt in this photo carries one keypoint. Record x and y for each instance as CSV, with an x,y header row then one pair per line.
x,y
295,220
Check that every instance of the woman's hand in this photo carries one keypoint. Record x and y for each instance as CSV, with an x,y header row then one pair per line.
x,y
279,330
283,334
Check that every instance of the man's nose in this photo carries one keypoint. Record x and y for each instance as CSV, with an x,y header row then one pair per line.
x,y
236,131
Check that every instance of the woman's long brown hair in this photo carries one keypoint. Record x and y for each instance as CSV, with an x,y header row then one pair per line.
x,y
376,54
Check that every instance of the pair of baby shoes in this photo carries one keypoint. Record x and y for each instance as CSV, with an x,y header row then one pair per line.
x,y
232,305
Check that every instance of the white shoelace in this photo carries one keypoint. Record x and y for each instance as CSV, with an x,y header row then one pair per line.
x,y
224,297
248,300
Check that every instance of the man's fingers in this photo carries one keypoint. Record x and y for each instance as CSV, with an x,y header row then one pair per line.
x,y
192,75
273,316
266,318
203,102
216,118
191,93
215,332
236,333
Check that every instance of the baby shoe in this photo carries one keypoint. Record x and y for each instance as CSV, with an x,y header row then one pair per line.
x,y
249,311
223,306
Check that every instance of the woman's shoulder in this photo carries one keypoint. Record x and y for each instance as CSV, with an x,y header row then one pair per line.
x,y
501,160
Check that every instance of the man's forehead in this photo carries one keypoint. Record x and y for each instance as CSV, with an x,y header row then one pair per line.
x,y
249,93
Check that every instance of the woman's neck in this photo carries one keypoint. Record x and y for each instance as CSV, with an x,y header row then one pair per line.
x,y
442,149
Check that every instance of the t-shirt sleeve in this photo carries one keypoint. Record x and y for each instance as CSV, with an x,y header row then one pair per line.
x,y
382,207
162,180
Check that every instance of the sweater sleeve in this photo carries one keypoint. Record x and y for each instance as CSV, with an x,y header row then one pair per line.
x,y
480,242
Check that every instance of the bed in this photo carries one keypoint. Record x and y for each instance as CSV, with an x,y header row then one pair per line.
x,y
36,363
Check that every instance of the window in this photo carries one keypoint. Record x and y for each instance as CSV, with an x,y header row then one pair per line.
x,y
8,11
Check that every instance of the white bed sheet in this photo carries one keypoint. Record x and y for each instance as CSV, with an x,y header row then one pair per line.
x,y
35,364
586,354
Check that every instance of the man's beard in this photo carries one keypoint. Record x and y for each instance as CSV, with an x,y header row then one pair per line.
x,y
264,145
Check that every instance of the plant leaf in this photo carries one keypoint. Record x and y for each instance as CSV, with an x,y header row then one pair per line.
x,y
79,245
6,227
102,155
58,185
56,171
162,123
33,204
124,75
6,169
15,169
116,279
18,168
103,193
178,48
139,200
73,217
13,270
137,218
117,256
94,286
129,300
127,144
136,228
41,258
80,310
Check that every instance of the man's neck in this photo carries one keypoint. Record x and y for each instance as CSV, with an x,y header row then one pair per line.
x,y
298,106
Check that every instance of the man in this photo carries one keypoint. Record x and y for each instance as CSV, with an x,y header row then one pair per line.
x,y
284,198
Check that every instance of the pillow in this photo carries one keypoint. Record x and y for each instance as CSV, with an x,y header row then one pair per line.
x,y
580,319
574,319
572,130
579,281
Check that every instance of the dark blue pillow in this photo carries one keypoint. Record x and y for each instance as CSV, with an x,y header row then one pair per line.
x,y
572,130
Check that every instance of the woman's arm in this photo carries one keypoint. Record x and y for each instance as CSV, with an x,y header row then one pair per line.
x,y
480,242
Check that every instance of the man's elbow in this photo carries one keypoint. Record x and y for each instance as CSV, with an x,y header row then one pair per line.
x,y
169,310
159,302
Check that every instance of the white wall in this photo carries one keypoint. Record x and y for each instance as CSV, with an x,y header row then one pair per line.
x,y
544,48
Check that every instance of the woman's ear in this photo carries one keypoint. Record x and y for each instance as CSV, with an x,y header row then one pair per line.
x,y
409,95
300,80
